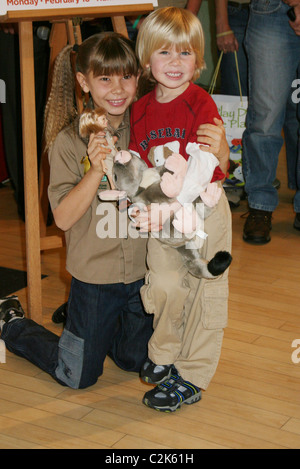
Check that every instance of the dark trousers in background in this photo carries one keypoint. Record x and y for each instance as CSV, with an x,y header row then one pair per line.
x,y
11,109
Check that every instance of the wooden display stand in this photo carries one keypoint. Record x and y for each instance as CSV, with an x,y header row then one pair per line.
x,y
61,34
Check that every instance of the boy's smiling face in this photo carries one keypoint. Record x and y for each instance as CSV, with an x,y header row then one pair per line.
x,y
173,69
114,93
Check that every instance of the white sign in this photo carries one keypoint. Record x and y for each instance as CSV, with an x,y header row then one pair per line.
x,y
33,5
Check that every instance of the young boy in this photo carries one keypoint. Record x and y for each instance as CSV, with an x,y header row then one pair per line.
x,y
189,314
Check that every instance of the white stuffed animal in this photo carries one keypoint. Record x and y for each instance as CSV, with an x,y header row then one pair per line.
x,y
144,186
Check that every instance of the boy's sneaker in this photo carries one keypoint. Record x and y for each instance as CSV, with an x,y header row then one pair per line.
x,y
10,309
171,394
155,374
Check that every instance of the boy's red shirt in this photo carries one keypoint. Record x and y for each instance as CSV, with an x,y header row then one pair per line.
x,y
154,123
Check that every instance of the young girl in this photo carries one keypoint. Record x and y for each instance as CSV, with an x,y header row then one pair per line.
x,y
105,314
189,314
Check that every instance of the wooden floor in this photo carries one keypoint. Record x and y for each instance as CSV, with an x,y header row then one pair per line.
x,y
252,402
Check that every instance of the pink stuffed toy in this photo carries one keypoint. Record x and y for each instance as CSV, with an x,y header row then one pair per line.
x,y
160,186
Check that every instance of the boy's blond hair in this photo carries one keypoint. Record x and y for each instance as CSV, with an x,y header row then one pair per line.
x,y
170,26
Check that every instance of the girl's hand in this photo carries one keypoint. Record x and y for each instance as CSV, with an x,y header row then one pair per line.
x,y
214,139
97,151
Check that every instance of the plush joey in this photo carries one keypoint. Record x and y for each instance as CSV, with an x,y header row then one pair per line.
x,y
159,154
144,186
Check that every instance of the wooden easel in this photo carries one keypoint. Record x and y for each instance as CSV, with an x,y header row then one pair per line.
x,y
34,242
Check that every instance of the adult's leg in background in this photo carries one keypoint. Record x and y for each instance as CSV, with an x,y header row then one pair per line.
x,y
273,55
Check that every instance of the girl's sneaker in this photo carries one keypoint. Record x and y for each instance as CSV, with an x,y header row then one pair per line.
x,y
155,374
60,315
171,394
10,309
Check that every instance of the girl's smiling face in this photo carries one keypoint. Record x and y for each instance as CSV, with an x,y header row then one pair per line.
x,y
114,93
172,69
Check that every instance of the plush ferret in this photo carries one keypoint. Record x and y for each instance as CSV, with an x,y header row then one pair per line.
x,y
144,186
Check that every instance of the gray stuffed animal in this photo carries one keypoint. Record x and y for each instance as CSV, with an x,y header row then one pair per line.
x,y
144,186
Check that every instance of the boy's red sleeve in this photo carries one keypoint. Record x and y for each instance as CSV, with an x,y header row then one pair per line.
x,y
211,112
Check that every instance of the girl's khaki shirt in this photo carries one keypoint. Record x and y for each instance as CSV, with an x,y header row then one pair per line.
x,y
100,248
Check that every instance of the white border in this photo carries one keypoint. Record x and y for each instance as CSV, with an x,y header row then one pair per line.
x,y
34,5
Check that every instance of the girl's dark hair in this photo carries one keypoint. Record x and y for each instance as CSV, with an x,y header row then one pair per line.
x,y
106,53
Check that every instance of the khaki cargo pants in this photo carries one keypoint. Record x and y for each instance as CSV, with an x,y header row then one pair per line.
x,y
189,314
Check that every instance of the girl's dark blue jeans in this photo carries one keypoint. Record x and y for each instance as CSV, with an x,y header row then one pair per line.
x,y
102,320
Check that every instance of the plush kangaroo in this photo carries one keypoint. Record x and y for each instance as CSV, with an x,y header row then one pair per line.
x,y
144,186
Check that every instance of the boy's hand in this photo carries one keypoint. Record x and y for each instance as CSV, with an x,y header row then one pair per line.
x,y
153,217
148,218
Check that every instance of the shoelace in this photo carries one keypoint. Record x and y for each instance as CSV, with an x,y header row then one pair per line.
x,y
175,382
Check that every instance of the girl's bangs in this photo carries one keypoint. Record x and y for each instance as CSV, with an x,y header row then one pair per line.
x,y
114,61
